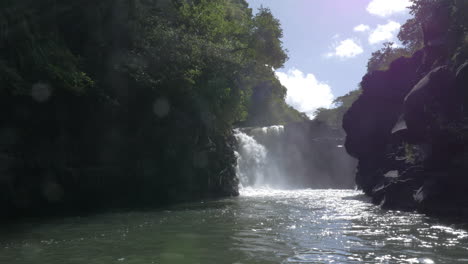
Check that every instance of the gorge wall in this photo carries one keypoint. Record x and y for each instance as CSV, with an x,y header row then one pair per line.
x,y
409,128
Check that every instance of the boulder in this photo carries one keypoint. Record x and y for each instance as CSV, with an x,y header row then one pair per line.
x,y
372,117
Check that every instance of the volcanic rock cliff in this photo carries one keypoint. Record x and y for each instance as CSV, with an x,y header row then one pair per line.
x,y
409,130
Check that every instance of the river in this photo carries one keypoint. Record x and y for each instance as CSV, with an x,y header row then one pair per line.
x,y
265,224
261,226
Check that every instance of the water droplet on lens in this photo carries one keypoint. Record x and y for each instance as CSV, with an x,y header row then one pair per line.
x,y
161,107
41,92
52,191
200,160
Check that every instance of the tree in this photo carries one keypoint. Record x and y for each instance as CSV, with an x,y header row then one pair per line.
x,y
267,47
381,59
137,98
334,116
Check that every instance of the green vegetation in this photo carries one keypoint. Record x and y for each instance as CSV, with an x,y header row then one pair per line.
x,y
381,59
132,99
334,116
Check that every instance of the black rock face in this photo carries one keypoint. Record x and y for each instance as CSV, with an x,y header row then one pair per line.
x,y
408,131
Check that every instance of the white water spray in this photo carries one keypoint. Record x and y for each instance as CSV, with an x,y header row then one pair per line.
x,y
295,158
256,166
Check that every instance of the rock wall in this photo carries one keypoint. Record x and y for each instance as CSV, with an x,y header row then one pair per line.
x,y
409,132
58,158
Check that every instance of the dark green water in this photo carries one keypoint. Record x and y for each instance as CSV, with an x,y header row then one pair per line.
x,y
261,226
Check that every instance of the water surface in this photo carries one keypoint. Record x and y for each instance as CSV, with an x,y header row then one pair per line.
x,y
261,226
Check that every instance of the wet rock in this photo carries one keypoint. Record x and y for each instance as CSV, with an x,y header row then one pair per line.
x,y
396,195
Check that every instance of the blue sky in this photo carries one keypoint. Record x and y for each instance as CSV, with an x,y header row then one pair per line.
x,y
329,43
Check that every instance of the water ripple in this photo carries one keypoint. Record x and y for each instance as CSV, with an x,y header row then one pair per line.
x,y
261,226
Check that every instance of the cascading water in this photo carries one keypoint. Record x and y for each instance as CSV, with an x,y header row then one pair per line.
x,y
297,156
257,165
251,160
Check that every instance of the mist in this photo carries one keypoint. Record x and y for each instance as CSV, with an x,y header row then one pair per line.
x,y
296,156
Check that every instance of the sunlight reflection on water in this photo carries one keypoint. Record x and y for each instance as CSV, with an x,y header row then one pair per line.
x,y
260,226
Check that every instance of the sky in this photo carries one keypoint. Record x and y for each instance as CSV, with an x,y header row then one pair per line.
x,y
329,43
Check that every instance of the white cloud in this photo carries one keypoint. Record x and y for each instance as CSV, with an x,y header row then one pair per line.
x,y
361,28
336,36
385,8
385,32
305,92
346,49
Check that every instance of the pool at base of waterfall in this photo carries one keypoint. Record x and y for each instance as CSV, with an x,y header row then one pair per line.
x,y
261,226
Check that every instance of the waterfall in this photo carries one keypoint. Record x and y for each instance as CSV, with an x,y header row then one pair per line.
x,y
257,164
302,155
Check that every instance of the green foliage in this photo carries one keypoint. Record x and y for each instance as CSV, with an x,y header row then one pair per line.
x,y
266,40
436,15
215,46
381,59
411,35
266,105
30,55
144,91
334,116
217,21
